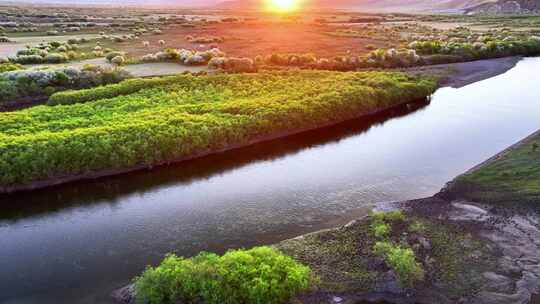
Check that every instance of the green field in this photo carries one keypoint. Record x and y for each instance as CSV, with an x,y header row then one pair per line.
x,y
513,177
182,116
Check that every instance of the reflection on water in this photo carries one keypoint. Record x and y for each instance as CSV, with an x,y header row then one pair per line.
x,y
74,243
112,189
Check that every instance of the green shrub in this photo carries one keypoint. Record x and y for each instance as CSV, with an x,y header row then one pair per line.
x,y
417,227
259,275
124,88
6,67
55,58
390,216
8,90
381,222
402,261
27,59
148,122
111,55
380,229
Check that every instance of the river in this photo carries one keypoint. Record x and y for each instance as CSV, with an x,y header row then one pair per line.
x,y
75,243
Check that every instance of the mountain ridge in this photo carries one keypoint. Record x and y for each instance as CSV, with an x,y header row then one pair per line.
x,y
373,5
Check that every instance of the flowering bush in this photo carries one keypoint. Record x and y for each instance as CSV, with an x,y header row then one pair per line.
x,y
52,52
118,60
111,55
183,56
481,48
232,64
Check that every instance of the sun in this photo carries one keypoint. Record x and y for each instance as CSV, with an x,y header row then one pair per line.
x,y
284,5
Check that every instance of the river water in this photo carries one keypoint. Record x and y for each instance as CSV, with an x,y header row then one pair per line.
x,y
77,242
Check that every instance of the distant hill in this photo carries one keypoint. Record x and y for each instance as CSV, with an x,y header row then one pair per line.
x,y
377,5
507,7
467,6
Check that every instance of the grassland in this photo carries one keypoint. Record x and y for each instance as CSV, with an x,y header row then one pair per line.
x,y
510,177
189,116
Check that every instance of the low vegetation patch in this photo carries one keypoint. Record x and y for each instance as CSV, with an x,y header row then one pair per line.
x,y
258,275
512,177
189,116
17,84
8,67
52,52
126,87
422,253
402,260
183,56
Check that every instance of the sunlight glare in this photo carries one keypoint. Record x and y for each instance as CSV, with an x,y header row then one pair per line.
x,y
284,5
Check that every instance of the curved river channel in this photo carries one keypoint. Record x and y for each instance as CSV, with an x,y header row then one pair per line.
x,y
75,243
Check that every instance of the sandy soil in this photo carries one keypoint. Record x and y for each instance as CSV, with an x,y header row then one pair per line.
x,y
137,70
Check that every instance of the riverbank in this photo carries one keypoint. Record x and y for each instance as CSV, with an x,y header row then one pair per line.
x,y
206,115
474,248
457,75
470,251
242,199
452,75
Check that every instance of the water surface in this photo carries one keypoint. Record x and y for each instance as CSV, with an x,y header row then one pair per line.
x,y
77,242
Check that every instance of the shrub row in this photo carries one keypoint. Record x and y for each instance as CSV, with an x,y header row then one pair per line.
x,y
417,53
183,56
479,50
126,87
